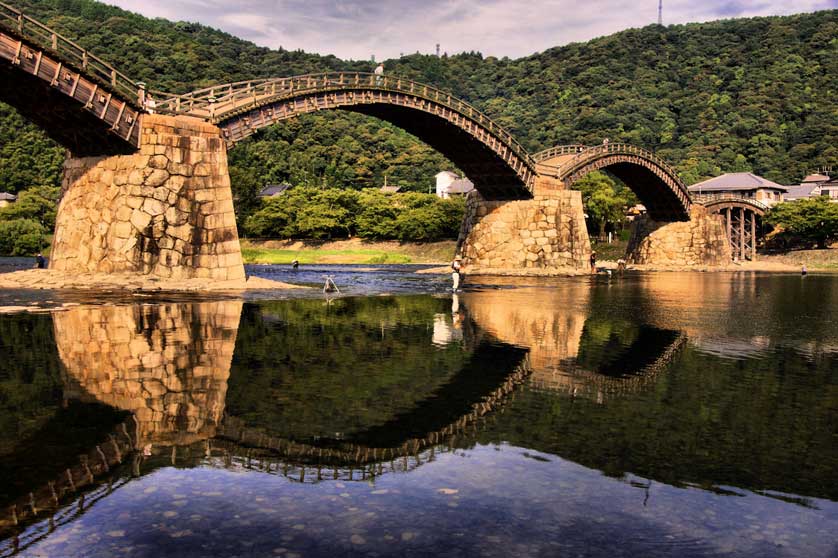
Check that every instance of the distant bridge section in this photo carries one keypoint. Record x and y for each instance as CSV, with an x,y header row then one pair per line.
x,y
743,222
656,183
80,101
498,165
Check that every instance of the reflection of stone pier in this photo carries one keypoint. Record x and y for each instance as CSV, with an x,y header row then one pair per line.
x,y
167,364
555,324
529,318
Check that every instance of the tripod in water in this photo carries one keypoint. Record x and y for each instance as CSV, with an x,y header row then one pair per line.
x,y
329,286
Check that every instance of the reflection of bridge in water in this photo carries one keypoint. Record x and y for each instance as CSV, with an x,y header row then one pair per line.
x,y
168,365
555,339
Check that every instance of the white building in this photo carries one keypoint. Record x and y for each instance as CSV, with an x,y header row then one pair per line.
x,y
449,184
813,186
7,199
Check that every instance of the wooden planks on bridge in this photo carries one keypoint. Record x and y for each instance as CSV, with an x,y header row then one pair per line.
x,y
117,113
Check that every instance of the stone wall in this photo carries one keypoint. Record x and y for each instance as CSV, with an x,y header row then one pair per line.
x,y
166,211
701,241
167,364
546,233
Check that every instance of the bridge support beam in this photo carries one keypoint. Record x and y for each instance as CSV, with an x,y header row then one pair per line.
x,y
701,241
543,235
165,212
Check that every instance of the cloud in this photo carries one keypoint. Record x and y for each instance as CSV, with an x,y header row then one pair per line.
x,y
358,29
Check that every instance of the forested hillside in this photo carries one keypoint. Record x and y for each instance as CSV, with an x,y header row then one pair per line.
x,y
752,94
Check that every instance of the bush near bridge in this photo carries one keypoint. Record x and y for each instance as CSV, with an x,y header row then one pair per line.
x,y
22,237
306,212
25,224
812,222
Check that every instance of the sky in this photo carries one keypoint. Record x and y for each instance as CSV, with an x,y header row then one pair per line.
x,y
359,29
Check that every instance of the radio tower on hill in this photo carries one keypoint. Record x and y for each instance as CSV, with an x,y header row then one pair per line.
x,y
660,13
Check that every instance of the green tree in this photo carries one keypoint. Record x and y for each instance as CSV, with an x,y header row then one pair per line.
x,y
812,220
36,204
605,201
306,212
22,237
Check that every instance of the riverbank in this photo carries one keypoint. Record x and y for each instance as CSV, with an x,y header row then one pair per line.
x,y
49,279
350,251
823,260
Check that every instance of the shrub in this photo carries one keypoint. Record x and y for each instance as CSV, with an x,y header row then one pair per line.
x,y
813,221
22,237
306,212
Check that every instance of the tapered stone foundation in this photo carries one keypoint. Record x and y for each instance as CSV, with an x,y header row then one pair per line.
x,y
701,241
165,212
546,234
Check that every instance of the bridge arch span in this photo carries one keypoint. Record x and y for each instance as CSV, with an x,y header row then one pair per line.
x,y
497,164
656,183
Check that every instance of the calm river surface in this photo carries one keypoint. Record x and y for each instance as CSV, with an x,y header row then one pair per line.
x,y
645,415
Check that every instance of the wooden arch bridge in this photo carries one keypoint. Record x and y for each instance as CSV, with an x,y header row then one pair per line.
x,y
656,183
92,108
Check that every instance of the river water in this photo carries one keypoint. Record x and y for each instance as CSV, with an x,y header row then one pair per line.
x,y
642,415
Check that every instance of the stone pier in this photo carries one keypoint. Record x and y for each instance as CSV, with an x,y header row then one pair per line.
x,y
164,212
701,241
545,234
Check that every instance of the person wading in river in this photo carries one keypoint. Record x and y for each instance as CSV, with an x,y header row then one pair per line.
x,y
455,271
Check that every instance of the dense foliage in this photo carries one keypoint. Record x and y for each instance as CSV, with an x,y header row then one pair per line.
x,y
809,221
307,212
26,224
606,201
755,95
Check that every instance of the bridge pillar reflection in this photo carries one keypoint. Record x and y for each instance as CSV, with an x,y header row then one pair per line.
x,y
166,211
546,232
167,364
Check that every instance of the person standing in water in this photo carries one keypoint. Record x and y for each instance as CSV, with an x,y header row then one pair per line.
x,y
455,271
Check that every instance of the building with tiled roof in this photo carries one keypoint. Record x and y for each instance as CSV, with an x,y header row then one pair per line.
x,y
7,199
813,186
273,190
739,185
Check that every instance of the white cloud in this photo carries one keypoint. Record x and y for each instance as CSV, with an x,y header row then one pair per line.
x,y
360,28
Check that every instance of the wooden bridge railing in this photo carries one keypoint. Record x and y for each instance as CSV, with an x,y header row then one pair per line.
x,y
220,102
619,149
712,199
48,39
558,151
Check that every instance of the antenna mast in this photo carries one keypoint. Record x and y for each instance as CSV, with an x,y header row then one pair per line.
x,y
660,12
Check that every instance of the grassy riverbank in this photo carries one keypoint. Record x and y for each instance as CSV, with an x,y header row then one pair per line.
x,y
826,260
354,251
